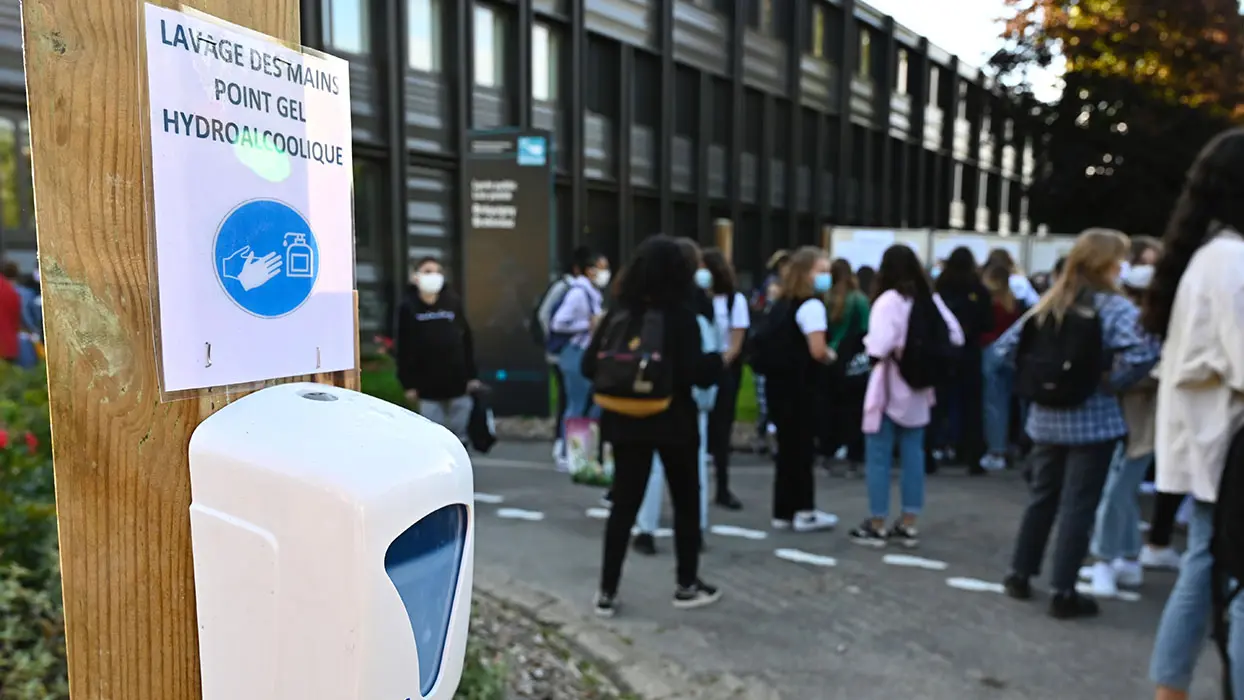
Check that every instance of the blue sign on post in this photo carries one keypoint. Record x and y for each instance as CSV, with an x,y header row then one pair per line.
x,y
266,258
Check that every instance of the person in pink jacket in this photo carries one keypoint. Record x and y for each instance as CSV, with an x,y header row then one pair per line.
x,y
895,413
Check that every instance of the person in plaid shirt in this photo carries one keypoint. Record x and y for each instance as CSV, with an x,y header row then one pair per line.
x,y
1074,446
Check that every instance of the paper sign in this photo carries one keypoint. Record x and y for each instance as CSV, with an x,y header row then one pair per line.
x,y
251,175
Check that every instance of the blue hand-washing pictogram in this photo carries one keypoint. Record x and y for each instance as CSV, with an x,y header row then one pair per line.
x,y
532,150
266,258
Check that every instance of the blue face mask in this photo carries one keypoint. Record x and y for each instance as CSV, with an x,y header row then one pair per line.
x,y
822,282
703,279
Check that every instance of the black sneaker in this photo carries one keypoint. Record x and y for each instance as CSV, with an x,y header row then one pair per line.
x,y
644,543
868,535
1069,606
606,605
696,596
1018,587
904,535
728,501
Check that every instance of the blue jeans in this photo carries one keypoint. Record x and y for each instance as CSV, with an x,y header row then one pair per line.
x,y
1117,530
879,457
650,510
999,381
578,388
1185,620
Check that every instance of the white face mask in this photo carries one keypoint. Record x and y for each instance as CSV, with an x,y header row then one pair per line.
x,y
601,279
431,282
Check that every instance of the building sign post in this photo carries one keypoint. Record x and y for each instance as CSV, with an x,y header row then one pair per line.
x,y
507,261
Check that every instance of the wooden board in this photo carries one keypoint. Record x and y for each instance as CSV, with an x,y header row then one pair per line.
x,y
122,482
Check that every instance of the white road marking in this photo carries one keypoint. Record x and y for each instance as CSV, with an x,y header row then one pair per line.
x,y
520,514
915,562
489,498
734,531
974,584
1125,596
660,532
598,513
801,557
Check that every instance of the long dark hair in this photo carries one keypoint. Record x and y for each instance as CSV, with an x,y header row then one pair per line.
x,y
901,271
1213,194
959,273
660,275
723,274
867,277
582,258
844,285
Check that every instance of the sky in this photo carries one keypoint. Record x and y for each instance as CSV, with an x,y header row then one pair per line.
x,y
967,28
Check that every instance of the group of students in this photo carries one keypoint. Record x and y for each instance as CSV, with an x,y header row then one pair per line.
x,y
1130,358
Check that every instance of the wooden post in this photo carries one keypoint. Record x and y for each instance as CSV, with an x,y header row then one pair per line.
x,y
723,234
827,238
122,480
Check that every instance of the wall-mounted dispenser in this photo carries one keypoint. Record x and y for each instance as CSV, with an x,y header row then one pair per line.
x,y
334,543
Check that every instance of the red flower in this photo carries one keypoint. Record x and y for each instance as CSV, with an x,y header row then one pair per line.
x,y
4,439
32,442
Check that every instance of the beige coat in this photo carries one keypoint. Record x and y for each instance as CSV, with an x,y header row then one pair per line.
x,y
1140,412
1201,374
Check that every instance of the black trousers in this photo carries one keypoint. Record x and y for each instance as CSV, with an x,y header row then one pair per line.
x,y
721,425
1066,485
632,467
794,487
1165,508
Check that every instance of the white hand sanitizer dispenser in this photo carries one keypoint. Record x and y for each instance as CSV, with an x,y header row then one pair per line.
x,y
334,540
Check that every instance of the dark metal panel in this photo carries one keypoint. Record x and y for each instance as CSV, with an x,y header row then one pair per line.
x,y
820,180
794,126
767,171
394,266
764,64
665,130
312,29
631,22
920,163
885,98
578,63
703,188
626,111
701,37
847,60
818,83
522,63
738,30
11,75
863,102
364,98
460,73
868,15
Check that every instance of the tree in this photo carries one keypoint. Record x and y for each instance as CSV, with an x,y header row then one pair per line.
x,y
1147,83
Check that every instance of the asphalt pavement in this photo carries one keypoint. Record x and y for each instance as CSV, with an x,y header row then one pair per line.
x,y
815,617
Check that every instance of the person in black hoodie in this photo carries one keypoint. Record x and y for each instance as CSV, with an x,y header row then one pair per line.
x,y
435,352
958,416
659,278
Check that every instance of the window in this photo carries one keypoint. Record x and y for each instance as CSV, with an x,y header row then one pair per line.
x,y
10,199
818,32
544,63
865,69
963,100
900,72
934,86
345,25
424,34
489,47
958,193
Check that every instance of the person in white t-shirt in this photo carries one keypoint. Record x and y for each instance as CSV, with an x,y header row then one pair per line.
x,y
732,319
793,393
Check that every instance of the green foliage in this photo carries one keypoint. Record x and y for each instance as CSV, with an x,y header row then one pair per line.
x,y
379,379
32,628
483,677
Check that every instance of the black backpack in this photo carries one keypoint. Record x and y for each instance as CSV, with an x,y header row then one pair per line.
x,y
634,376
928,358
774,342
1059,364
1227,548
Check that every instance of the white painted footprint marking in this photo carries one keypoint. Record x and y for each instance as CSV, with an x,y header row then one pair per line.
x,y
520,514
801,557
735,531
974,585
914,562
489,498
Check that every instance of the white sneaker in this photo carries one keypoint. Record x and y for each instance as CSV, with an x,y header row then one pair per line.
x,y
559,449
1128,574
1103,582
814,521
993,462
781,524
1164,558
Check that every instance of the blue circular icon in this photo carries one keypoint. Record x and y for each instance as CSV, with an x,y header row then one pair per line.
x,y
266,258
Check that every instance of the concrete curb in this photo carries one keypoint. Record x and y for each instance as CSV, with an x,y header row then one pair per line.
x,y
639,671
